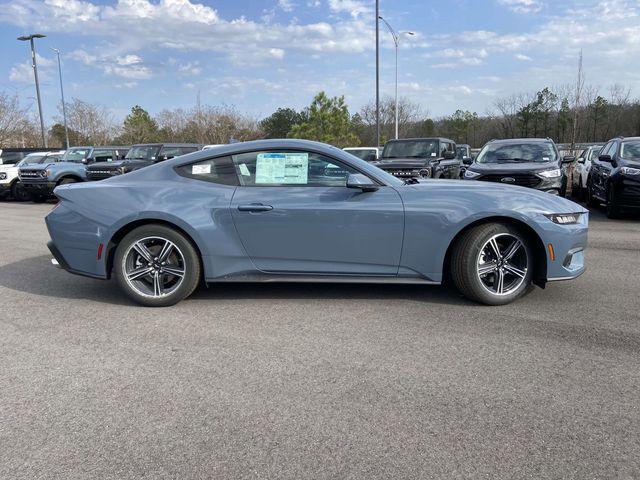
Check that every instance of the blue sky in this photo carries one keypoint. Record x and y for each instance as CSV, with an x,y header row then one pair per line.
x,y
261,54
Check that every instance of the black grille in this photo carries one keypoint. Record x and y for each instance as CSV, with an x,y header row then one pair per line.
x,y
521,179
28,174
100,174
409,172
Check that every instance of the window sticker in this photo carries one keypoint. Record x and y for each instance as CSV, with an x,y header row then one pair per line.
x,y
546,159
433,154
282,168
201,169
244,170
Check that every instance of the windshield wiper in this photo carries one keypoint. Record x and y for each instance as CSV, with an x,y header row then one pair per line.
x,y
515,159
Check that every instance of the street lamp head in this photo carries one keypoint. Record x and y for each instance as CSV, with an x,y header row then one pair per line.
x,y
55,50
26,38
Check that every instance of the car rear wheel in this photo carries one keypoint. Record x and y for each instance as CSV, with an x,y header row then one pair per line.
x,y
492,264
157,266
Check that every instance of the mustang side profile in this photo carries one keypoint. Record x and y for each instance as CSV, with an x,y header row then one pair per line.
x,y
294,210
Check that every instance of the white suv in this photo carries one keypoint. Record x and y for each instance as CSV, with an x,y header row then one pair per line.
x,y
581,170
9,181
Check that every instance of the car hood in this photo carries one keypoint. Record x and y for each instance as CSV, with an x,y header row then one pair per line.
x,y
402,162
107,165
520,167
7,167
506,196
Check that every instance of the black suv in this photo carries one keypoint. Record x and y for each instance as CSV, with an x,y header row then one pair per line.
x,y
420,158
140,156
527,162
614,178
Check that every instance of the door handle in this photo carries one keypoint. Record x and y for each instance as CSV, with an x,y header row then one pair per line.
x,y
255,207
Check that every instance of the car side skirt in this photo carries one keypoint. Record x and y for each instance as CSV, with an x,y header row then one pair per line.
x,y
304,278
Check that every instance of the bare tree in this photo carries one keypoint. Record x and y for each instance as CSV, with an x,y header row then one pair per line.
x,y
93,124
15,124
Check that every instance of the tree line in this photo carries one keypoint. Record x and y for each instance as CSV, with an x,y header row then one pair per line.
x,y
593,116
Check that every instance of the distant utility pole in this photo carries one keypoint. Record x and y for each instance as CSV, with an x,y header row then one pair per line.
x,y
30,38
64,107
576,101
377,73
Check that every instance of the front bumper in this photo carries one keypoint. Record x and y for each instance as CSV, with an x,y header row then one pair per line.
x,y
627,190
42,187
565,246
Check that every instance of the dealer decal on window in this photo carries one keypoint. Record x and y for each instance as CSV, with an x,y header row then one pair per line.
x,y
282,168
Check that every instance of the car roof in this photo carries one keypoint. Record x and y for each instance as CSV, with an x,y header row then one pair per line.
x,y
161,144
420,139
360,148
522,140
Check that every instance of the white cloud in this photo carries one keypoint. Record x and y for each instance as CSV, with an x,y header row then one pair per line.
x,y
355,8
522,57
286,5
522,6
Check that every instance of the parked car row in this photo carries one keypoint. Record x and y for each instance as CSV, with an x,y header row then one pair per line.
x,y
36,180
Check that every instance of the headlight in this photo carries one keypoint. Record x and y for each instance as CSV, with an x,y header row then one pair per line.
x,y
471,174
122,170
46,173
629,171
551,173
3,176
564,218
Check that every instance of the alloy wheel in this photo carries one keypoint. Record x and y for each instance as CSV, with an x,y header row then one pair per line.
x,y
154,267
502,264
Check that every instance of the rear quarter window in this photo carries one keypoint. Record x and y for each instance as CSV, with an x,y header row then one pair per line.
x,y
214,170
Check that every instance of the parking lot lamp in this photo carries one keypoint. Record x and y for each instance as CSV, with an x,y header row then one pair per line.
x,y
64,107
30,38
396,42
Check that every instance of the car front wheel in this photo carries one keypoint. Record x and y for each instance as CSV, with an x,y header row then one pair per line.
x,y
492,264
157,266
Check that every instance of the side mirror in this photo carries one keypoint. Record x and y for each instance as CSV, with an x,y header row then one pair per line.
x,y
467,160
568,159
605,158
362,182
449,155
85,160
581,160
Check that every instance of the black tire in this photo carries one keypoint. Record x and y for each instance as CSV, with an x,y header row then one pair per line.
x,y
468,253
67,181
18,193
590,200
190,264
612,209
37,198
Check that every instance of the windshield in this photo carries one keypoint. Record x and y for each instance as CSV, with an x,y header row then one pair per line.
x,y
146,152
368,155
538,152
630,150
76,154
462,152
31,159
411,149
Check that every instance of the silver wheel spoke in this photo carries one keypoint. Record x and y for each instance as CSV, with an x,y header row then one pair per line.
x,y
143,251
175,271
514,270
157,284
500,282
495,248
486,268
513,249
166,251
139,272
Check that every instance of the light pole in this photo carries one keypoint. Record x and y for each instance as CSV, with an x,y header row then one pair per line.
x,y
64,107
30,38
377,73
396,42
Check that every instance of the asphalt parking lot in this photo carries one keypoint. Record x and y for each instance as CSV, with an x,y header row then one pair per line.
x,y
318,381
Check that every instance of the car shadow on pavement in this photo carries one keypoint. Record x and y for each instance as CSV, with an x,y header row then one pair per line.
x,y
36,276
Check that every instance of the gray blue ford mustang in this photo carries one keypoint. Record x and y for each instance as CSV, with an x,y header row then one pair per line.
x,y
294,210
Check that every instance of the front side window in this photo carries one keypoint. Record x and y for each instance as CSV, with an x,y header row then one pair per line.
x,y
143,152
215,170
411,149
537,152
290,168
76,155
595,151
103,155
364,154
630,150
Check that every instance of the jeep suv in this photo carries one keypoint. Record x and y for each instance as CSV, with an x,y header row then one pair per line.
x,y
614,178
40,180
10,184
527,162
416,158
140,156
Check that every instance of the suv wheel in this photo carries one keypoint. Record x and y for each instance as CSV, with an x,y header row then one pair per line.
x,y
18,192
67,181
492,264
612,208
156,266
37,198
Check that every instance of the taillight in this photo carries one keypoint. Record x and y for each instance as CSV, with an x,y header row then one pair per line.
x,y
100,248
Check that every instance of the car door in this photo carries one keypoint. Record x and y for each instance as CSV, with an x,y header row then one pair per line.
x,y
600,171
294,214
